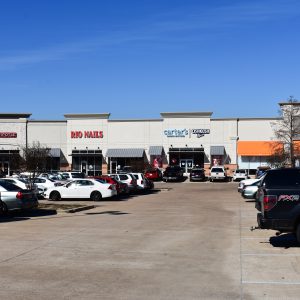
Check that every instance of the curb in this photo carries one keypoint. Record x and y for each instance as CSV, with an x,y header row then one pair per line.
x,y
81,208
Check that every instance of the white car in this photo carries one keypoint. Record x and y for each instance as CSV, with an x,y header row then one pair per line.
x,y
82,188
240,174
140,180
246,182
218,173
43,182
127,178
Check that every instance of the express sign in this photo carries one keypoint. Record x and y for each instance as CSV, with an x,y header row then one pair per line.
x,y
8,135
87,134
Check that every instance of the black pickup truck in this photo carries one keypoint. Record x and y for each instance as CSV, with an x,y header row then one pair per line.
x,y
278,200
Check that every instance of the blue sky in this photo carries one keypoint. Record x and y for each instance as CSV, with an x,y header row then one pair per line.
x,y
137,58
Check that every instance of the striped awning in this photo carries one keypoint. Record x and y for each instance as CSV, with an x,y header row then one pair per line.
x,y
54,152
155,150
217,150
130,152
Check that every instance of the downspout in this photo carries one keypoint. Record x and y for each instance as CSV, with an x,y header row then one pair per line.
x,y
236,141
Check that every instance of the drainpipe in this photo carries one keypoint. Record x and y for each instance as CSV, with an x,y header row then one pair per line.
x,y
236,141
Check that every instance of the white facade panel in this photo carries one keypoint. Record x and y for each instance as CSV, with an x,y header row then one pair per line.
x,y
256,130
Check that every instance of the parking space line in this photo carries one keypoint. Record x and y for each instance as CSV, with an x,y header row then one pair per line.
x,y
271,254
254,238
272,282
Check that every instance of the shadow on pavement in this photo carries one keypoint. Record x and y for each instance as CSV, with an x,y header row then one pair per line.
x,y
287,240
109,212
26,215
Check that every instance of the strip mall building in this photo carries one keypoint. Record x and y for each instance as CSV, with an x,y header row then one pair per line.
x,y
95,144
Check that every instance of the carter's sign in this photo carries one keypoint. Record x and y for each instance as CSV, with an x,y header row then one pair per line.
x,y
176,132
87,134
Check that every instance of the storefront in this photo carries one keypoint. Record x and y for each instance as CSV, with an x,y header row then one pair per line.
x,y
218,156
157,156
130,157
187,158
95,144
254,154
87,161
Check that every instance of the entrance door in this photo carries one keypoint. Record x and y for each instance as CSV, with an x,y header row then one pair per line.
x,y
6,168
186,164
84,167
113,166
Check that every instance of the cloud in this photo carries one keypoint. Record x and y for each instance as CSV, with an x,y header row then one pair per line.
x,y
175,25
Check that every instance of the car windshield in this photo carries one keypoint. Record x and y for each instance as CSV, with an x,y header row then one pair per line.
x,y
77,175
197,171
217,170
240,171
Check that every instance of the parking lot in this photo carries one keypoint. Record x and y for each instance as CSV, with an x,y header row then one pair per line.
x,y
183,241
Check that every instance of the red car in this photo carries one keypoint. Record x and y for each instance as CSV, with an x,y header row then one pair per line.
x,y
122,188
153,174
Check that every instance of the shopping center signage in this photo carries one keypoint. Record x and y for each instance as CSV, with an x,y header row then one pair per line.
x,y
8,135
176,132
87,134
184,132
200,132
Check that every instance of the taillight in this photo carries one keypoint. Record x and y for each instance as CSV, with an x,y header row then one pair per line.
x,y
269,202
111,187
19,195
131,181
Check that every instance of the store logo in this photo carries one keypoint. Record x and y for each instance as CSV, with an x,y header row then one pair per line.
x,y
87,134
8,135
176,132
200,132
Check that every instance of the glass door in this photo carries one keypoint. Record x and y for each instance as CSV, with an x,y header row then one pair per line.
x,y
186,164
113,166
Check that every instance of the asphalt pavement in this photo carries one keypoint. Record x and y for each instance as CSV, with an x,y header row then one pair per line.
x,y
186,241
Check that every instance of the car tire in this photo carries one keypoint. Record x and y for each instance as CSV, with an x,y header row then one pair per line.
x,y
55,196
3,209
96,196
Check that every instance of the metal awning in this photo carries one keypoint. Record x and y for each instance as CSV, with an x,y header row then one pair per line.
x,y
155,150
54,152
130,152
217,150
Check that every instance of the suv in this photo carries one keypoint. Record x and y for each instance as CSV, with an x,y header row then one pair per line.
x,y
197,174
126,178
218,173
240,174
173,173
278,201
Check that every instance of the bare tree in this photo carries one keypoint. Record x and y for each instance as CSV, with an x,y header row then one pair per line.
x,y
35,158
287,128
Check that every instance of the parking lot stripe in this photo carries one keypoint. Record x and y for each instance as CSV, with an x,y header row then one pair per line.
x,y
271,254
272,282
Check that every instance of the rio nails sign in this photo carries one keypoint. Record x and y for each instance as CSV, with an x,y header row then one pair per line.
x,y
87,134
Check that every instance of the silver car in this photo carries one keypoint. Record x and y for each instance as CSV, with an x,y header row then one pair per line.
x,y
250,191
13,197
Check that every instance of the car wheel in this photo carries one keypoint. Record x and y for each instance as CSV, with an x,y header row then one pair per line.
x,y
55,196
3,209
96,196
